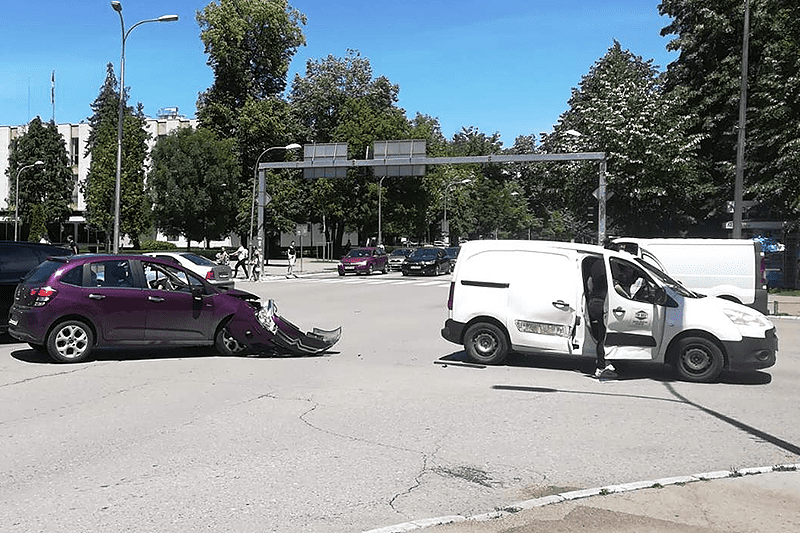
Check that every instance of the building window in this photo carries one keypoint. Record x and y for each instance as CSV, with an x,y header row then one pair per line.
x,y
75,151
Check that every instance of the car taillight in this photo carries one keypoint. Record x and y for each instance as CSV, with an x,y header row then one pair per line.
x,y
210,275
42,295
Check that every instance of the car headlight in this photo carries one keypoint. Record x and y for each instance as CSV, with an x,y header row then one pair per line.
x,y
746,318
265,316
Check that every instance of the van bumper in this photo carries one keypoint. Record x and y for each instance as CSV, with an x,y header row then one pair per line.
x,y
453,331
752,353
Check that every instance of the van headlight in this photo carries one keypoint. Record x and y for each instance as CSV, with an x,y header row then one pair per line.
x,y
747,319
542,328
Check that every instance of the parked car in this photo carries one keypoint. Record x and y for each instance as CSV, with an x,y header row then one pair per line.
x,y
452,253
68,306
397,257
364,261
431,260
214,273
16,260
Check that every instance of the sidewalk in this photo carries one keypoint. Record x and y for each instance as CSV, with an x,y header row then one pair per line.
x,y
277,268
754,500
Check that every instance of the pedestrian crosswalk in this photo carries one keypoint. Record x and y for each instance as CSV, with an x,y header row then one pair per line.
x,y
376,279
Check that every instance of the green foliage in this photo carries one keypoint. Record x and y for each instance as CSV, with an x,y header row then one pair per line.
x,y
151,245
191,184
100,185
38,227
50,185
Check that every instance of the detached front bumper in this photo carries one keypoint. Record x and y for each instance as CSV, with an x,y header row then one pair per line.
x,y
752,353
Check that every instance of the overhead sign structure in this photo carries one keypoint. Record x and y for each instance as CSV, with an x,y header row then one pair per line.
x,y
408,158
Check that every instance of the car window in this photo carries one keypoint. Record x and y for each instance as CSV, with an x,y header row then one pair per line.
x,y
168,278
199,260
43,272
73,276
111,273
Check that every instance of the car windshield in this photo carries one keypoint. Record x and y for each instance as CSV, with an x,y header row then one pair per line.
x,y
359,253
198,260
425,253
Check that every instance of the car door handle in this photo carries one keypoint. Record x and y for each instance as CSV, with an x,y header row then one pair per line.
x,y
619,311
561,304
155,299
97,296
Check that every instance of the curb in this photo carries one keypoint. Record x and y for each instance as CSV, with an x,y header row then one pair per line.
x,y
581,494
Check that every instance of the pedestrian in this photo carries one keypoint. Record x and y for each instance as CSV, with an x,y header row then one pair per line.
x,y
291,254
598,291
222,257
241,261
73,246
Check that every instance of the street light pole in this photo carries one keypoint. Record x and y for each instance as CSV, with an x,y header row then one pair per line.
x,y
117,6
258,180
380,184
16,198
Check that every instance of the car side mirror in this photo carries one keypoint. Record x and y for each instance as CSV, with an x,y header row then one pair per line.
x,y
660,297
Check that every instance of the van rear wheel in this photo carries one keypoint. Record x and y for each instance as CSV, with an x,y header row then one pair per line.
x,y
486,343
698,359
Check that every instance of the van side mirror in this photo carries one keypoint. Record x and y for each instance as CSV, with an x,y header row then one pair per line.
x,y
660,297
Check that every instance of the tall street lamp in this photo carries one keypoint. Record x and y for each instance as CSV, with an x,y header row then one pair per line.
x,y
117,6
380,184
16,207
258,179
445,227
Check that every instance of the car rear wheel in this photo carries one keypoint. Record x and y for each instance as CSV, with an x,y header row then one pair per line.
x,y
70,342
226,344
485,343
698,359
370,269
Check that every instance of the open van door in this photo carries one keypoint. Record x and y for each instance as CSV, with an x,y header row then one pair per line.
x,y
635,324
543,301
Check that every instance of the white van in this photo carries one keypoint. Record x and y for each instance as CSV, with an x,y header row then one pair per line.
x,y
530,296
733,269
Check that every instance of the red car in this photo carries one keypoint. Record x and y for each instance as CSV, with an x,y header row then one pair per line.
x,y
364,261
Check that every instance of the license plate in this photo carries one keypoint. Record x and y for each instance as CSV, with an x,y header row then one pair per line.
x,y
415,267
349,268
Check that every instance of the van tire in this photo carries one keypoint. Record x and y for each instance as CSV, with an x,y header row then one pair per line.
x,y
485,343
698,359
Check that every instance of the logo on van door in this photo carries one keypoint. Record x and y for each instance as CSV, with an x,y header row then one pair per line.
x,y
640,318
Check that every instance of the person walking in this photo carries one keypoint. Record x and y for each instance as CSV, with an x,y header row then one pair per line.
x,y
241,261
72,245
291,254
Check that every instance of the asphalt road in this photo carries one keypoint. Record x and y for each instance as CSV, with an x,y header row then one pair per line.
x,y
390,427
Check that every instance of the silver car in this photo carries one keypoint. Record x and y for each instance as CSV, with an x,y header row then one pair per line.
x,y
216,274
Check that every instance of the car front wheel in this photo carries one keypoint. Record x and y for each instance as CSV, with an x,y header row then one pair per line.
x,y
698,359
70,342
485,343
226,344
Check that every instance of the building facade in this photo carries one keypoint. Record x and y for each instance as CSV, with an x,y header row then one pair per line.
x,y
75,139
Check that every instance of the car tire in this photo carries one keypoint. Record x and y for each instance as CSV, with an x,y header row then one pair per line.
x,y
70,341
341,273
225,344
404,272
370,269
486,343
697,359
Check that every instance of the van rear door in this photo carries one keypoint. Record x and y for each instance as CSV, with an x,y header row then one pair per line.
x,y
543,300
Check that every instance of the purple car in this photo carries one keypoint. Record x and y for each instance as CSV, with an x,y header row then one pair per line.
x,y
68,306
364,261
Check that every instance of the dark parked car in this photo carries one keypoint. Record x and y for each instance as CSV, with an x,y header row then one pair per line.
x,y
364,261
68,306
452,253
397,257
16,260
431,260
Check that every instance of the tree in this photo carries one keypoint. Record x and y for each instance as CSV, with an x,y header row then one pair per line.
x,y
190,184
707,75
654,185
338,100
50,185
100,186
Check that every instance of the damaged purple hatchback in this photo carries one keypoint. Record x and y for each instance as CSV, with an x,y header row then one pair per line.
x,y
68,306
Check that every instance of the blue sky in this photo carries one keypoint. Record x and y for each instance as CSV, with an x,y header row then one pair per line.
x,y
506,67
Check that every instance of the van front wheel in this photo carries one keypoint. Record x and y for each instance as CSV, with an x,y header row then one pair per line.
x,y
698,359
486,343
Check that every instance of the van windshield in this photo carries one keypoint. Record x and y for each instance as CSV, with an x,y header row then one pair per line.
x,y
664,279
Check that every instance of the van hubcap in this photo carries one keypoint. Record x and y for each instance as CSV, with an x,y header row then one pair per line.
x,y
485,343
696,359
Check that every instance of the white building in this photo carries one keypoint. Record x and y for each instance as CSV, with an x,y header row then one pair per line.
x,y
75,138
